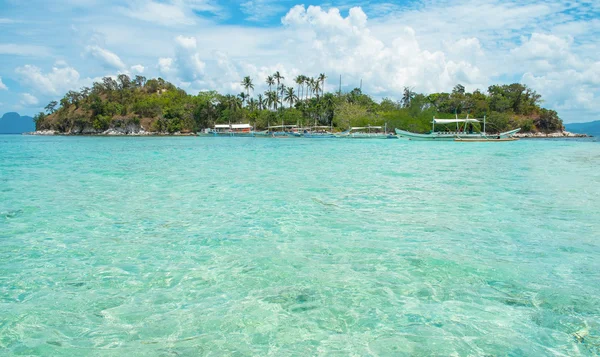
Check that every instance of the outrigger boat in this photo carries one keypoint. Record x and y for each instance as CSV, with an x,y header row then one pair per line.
x,y
244,130
283,131
366,132
460,134
318,132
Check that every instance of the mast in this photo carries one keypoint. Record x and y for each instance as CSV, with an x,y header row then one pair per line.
x,y
484,125
433,125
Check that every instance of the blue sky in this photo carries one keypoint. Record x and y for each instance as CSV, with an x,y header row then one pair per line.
x,y
49,47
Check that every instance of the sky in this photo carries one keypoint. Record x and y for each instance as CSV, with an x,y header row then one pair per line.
x,y
48,47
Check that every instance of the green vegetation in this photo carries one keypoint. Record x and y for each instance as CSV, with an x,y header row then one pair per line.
x,y
159,106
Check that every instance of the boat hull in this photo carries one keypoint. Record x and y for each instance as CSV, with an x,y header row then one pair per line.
x,y
485,140
366,136
439,136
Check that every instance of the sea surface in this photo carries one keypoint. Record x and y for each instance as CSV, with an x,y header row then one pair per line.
x,y
186,246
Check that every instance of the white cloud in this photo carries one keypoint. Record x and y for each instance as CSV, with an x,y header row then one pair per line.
x,y
259,10
159,13
23,50
427,44
56,82
138,68
169,13
2,85
109,59
346,45
29,100
186,65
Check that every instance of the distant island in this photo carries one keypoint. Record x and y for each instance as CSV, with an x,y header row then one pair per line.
x,y
591,128
13,123
153,106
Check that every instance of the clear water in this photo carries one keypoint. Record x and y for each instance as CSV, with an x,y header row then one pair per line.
x,y
258,247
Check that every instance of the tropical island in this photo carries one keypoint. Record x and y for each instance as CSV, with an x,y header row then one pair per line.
x,y
154,106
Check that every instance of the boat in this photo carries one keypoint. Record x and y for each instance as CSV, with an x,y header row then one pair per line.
x,y
366,132
487,139
284,131
317,132
243,130
459,133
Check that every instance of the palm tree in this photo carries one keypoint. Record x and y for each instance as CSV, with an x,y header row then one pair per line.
x,y
260,101
252,104
247,84
299,82
407,97
322,78
243,97
290,96
317,87
271,97
270,82
278,77
311,86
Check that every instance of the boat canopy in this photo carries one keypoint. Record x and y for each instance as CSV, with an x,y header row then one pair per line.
x,y
365,127
222,126
241,126
452,121
283,126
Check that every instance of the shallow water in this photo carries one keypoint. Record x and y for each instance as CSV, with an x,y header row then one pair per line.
x,y
256,247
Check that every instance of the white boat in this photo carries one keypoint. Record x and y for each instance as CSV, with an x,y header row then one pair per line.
x,y
366,132
244,130
459,133
283,131
317,132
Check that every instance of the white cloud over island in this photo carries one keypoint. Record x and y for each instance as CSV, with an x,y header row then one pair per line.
x,y
429,45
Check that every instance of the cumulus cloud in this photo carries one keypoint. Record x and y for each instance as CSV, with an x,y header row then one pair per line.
x,y
567,82
2,85
109,59
29,100
186,65
138,68
346,45
56,82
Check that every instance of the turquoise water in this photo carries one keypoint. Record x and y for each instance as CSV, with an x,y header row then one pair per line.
x,y
263,247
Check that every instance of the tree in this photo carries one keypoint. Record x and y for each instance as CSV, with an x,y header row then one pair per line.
x,y
290,96
322,78
247,84
124,81
278,77
260,102
458,89
243,97
407,96
548,121
271,99
299,81
139,81
270,82
51,107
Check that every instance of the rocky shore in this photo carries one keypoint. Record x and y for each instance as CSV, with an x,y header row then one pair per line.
x,y
558,134
129,130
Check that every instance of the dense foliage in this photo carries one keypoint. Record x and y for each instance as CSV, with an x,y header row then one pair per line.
x,y
159,106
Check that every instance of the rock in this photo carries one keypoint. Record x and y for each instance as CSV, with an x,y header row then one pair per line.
x,y
42,132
